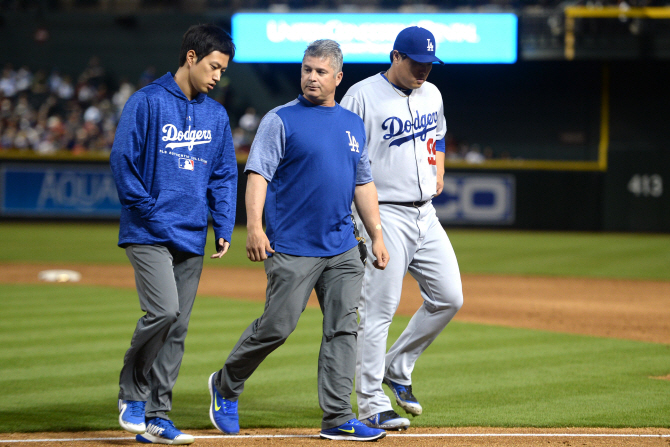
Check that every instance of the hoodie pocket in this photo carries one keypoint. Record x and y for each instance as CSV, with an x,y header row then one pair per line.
x,y
176,212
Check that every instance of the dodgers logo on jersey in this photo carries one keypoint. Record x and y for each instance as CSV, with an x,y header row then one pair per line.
x,y
189,137
353,144
395,127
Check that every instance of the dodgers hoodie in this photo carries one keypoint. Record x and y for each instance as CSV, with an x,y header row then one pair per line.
x,y
172,161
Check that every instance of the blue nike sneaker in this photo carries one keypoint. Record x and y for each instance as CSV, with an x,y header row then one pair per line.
x,y
353,430
163,431
223,412
131,415
404,397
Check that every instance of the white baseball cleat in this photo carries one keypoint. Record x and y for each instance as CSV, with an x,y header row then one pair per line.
x,y
131,416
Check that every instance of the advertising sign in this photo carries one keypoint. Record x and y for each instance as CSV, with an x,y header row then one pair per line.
x,y
368,38
58,191
476,199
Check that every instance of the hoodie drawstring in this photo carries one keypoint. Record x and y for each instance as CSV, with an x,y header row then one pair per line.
x,y
190,118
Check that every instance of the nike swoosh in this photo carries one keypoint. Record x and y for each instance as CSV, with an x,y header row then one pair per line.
x,y
216,405
353,430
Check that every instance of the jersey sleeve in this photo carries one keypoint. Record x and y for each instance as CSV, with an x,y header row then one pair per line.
x,y
268,147
129,143
351,103
363,170
440,146
441,131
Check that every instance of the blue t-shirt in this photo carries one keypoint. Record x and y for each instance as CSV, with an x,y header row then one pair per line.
x,y
313,157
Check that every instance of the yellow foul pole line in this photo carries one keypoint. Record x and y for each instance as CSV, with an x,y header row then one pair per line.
x,y
604,120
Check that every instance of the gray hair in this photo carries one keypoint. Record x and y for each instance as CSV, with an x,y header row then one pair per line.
x,y
326,49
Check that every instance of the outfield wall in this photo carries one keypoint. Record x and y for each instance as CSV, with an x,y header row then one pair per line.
x,y
626,198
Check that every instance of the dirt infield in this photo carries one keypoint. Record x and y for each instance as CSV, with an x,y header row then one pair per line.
x,y
637,310
629,309
419,437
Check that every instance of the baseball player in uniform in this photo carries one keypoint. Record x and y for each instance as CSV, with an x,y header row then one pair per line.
x,y
307,163
405,127
173,161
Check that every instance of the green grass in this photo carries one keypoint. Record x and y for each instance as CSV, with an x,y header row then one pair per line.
x,y
90,243
63,346
602,255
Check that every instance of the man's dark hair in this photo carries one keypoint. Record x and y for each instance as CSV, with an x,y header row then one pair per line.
x,y
402,55
204,39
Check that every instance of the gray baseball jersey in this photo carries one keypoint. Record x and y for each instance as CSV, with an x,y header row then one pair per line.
x,y
402,132
394,122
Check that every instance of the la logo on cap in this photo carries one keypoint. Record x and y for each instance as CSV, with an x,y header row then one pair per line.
x,y
418,44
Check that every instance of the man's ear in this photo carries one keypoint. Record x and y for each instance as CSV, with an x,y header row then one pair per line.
x,y
191,57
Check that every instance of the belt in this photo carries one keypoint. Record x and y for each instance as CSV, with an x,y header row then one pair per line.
x,y
417,204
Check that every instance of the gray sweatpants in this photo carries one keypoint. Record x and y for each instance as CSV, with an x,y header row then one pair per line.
x,y
167,281
337,281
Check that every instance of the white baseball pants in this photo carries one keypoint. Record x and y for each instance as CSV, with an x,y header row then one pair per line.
x,y
417,244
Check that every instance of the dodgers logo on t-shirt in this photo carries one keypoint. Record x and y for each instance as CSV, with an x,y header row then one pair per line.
x,y
353,144
185,163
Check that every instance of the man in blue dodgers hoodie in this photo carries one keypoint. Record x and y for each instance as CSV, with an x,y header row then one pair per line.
x,y
307,164
173,160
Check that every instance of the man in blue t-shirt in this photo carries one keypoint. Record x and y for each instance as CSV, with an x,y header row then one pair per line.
x,y
307,164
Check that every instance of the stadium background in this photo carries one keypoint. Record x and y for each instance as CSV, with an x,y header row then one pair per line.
x,y
584,138
525,119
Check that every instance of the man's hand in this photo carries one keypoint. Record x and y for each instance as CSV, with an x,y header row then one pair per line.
x,y
439,158
257,241
440,185
379,252
223,246
365,199
257,245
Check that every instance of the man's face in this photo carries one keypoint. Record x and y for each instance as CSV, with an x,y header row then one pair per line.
x,y
409,73
319,80
205,74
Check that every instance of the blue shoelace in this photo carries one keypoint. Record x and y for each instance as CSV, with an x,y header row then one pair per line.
x,y
136,409
229,407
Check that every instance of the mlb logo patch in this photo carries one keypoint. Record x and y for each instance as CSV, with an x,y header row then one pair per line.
x,y
185,163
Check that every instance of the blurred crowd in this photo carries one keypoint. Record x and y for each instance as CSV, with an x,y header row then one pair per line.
x,y
47,113
54,112
472,153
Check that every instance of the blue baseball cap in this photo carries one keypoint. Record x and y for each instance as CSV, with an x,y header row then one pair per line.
x,y
417,43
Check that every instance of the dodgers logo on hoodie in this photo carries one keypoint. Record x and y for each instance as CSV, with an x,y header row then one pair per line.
x,y
188,138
